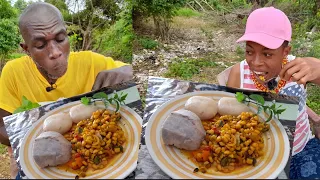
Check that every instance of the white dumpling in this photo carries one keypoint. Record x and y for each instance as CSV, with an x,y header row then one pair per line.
x,y
231,106
204,107
60,123
81,112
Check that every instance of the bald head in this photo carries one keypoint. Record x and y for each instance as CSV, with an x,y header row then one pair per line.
x,y
45,38
39,13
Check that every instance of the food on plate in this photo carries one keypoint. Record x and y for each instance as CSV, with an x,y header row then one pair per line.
x,y
183,129
60,123
204,107
231,142
51,149
231,106
81,111
95,141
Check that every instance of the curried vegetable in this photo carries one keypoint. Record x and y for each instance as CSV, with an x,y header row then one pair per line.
x,y
95,141
231,142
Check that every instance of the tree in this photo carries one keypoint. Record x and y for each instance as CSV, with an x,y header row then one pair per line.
x,y
161,11
9,38
6,11
20,5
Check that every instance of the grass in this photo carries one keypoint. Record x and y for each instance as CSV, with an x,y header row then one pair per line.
x,y
186,68
314,97
187,12
148,43
3,149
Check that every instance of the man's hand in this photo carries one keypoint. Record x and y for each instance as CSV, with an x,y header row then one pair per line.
x,y
112,77
4,139
302,70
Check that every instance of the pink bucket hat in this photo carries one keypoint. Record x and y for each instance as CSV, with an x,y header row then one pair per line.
x,y
267,26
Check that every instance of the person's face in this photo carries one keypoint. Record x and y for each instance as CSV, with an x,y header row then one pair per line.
x,y
48,45
263,61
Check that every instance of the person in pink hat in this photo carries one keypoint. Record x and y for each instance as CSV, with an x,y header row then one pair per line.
x,y
267,36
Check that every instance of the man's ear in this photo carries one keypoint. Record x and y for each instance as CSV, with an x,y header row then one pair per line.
x,y
286,51
24,47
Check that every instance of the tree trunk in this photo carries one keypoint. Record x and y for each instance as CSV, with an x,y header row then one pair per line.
x,y
162,25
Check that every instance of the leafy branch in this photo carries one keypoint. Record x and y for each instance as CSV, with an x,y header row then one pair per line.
x,y
26,105
117,99
272,110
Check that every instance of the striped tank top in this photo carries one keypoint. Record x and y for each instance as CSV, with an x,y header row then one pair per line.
x,y
303,132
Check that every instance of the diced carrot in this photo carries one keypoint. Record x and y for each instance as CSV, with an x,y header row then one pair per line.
x,y
207,148
78,161
77,155
205,155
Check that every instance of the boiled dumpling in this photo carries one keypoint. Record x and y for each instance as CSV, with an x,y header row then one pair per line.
x,y
81,112
231,106
204,107
60,123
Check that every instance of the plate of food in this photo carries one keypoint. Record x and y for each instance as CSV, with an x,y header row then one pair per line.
x,y
79,140
209,134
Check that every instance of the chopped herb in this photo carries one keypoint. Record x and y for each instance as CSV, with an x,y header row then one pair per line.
x,y
224,161
196,170
254,161
221,123
96,160
77,177
80,130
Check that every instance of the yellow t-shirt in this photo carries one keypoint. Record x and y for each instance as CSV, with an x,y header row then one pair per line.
x,y
20,77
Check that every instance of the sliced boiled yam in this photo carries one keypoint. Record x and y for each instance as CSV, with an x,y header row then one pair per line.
x,y
183,129
204,107
81,112
51,149
60,123
231,106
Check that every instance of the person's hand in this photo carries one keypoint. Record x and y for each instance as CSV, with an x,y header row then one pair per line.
x,y
112,77
302,70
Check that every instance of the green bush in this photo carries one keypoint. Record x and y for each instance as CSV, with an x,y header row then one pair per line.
x,y
15,55
9,38
313,100
240,51
187,68
187,12
148,43
116,41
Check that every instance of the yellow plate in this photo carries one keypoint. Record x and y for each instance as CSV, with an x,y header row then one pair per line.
x,y
121,167
174,163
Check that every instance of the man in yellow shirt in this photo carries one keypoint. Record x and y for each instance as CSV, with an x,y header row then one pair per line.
x,y
50,71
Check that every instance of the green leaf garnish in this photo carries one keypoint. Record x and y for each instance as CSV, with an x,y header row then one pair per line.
x,y
272,110
100,95
257,98
240,96
26,105
116,99
85,100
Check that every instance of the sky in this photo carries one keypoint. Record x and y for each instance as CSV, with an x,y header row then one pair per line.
x,y
70,6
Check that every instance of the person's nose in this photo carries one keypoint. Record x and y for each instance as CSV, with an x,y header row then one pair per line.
x,y
54,50
257,61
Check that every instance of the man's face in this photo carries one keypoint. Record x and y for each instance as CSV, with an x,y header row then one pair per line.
x,y
48,45
263,61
